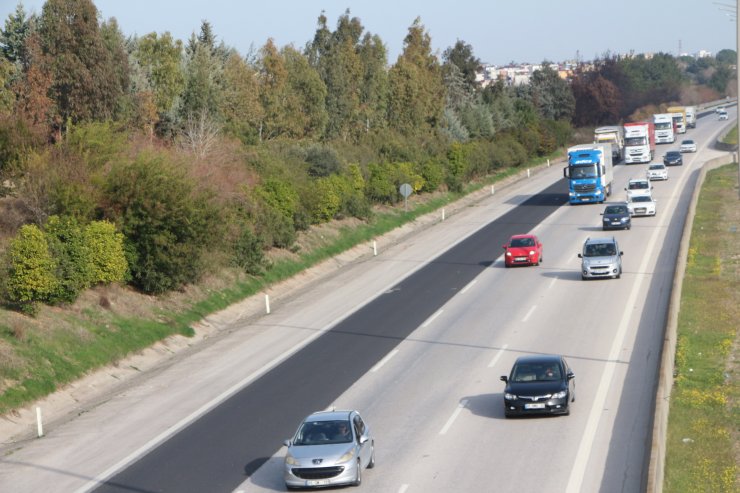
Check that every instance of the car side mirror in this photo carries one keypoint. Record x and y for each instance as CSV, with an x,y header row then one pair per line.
x,y
621,253
286,443
504,378
363,439
570,375
580,256
503,246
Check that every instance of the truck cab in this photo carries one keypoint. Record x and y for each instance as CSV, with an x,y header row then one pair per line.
x,y
589,173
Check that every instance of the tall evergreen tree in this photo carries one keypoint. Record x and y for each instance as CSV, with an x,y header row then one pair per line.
x,y
85,85
417,90
13,37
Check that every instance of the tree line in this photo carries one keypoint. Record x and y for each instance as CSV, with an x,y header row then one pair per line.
x,y
151,161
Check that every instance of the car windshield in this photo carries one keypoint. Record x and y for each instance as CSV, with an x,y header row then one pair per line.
x,y
535,372
599,250
673,154
642,198
615,209
657,166
522,242
638,185
323,432
688,142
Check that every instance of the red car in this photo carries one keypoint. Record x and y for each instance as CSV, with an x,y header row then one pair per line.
x,y
523,250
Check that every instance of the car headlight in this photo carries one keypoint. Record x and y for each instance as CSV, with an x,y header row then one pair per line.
x,y
559,395
531,252
291,461
509,397
625,219
347,456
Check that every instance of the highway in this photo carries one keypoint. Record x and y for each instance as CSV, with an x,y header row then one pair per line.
x,y
416,339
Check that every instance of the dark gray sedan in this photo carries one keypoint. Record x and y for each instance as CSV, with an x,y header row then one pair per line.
x,y
616,216
540,384
672,158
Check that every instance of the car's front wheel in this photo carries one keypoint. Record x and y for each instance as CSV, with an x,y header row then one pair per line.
x,y
371,464
358,478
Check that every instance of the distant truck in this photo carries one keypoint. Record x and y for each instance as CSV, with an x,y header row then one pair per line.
x,y
639,142
589,172
664,128
679,116
613,135
691,116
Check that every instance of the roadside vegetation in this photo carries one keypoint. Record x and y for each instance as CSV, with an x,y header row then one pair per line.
x,y
704,420
147,181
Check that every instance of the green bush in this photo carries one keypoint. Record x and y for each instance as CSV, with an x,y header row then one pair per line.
x,y
380,186
273,226
280,195
433,172
71,255
30,270
249,252
323,161
97,142
456,167
325,199
107,256
168,223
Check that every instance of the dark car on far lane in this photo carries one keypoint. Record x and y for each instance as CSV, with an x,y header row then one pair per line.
x,y
673,158
539,384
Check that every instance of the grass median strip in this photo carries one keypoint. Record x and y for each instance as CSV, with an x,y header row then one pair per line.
x,y
704,420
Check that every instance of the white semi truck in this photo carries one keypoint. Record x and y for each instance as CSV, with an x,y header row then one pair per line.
x,y
664,128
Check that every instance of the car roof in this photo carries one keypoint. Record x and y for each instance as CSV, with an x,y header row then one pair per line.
x,y
539,358
329,416
602,239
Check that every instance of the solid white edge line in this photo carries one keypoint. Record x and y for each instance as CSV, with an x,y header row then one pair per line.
x,y
459,408
552,283
431,319
382,362
498,356
470,284
575,482
529,313
403,488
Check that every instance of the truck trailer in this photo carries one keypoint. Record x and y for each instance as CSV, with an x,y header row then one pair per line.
x,y
691,116
613,135
589,172
639,142
679,116
664,128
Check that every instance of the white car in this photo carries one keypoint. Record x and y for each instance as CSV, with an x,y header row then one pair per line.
x,y
722,114
638,186
688,145
657,171
641,205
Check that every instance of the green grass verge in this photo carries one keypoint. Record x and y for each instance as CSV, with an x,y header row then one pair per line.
x,y
704,422
80,344
731,137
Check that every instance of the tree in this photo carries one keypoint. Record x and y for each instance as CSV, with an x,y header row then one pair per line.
x,y
335,55
551,94
241,104
461,56
160,58
86,82
307,105
726,57
374,87
598,100
13,37
417,88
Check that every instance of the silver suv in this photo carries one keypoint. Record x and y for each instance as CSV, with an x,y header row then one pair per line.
x,y
601,257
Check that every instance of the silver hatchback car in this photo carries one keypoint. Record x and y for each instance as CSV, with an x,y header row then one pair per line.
x,y
329,448
601,257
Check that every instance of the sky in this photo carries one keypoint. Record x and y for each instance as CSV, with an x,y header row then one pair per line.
x,y
499,31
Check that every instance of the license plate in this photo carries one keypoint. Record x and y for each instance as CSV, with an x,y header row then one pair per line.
x,y
520,259
317,482
534,406
640,211
585,199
